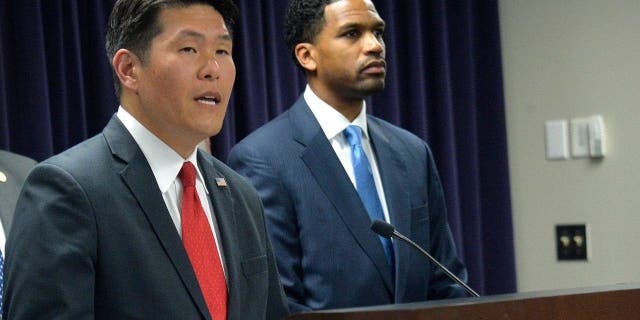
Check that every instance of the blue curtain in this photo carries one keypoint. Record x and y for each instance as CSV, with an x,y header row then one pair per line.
x,y
444,84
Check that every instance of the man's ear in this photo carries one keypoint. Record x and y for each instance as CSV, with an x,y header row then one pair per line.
x,y
126,65
306,58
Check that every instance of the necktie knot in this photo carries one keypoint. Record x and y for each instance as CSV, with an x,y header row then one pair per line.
x,y
353,134
187,175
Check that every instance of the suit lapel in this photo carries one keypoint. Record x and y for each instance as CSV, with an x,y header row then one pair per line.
x,y
138,176
320,158
393,174
223,211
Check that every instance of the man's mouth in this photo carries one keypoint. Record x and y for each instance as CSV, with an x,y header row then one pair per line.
x,y
211,99
375,67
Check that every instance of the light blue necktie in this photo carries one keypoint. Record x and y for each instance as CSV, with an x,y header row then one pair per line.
x,y
366,186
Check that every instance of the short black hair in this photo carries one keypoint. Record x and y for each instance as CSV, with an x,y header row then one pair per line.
x,y
303,21
134,23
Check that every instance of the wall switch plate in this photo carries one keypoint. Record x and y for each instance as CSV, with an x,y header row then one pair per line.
x,y
572,242
557,141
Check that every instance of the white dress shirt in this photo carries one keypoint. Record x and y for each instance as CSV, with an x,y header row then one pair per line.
x,y
333,124
166,164
3,239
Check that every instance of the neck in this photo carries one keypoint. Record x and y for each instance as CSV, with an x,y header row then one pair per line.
x,y
350,108
181,143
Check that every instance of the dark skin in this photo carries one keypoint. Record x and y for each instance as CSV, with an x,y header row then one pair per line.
x,y
345,64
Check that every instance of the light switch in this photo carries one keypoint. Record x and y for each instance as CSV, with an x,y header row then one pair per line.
x,y
597,146
580,138
556,139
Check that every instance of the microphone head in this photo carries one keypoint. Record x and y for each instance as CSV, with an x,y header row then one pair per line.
x,y
382,228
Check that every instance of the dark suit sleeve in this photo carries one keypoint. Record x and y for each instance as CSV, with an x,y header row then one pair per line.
x,y
442,245
280,220
49,269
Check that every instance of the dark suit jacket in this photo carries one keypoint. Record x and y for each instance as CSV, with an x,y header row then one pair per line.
x,y
94,239
15,168
327,255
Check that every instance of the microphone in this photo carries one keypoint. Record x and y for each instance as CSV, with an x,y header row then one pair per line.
x,y
387,230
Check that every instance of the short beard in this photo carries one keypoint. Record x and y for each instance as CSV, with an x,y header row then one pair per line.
x,y
368,89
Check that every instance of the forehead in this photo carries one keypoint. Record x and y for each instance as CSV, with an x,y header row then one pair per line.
x,y
351,11
199,17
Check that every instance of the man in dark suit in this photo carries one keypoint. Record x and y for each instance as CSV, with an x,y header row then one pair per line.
x,y
319,201
114,228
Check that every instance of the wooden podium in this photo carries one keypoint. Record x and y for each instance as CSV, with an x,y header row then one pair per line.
x,y
602,303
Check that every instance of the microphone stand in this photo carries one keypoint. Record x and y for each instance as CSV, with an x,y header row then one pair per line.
x,y
387,230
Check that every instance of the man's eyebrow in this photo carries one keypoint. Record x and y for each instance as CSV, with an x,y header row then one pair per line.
x,y
357,25
380,24
194,34
190,34
225,37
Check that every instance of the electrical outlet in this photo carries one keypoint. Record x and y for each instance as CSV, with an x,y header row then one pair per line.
x,y
572,242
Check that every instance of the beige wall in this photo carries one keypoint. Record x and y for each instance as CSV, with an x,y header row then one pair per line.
x,y
567,59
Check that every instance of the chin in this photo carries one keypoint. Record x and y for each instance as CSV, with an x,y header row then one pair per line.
x,y
210,125
214,131
369,90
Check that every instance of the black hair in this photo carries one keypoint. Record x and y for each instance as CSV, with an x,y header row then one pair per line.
x,y
134,23
303,21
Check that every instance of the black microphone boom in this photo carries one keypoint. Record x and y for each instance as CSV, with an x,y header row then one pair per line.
x,y
387,230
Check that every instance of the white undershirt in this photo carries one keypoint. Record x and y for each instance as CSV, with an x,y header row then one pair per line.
x,y
3,239
333,123
166,164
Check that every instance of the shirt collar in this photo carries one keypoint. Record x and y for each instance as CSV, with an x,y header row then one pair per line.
x,y
331,121
163,160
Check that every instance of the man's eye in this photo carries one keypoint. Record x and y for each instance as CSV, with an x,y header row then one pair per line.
x,y
188,50
351,34
223,52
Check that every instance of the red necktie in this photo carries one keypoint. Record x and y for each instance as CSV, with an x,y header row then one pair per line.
x,y
201,247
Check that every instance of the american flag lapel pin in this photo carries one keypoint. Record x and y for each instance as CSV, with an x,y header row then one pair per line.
x,y
221,182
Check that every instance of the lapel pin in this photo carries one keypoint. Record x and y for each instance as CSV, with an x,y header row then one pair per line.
x,y
3,177
221,182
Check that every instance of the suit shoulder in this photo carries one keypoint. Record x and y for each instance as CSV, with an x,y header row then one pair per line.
x,y
275,130
83,154
83,158
15,162
272,141
397,133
